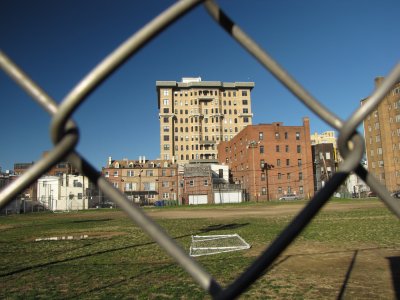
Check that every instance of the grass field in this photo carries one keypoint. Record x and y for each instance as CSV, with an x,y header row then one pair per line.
x,y
351,249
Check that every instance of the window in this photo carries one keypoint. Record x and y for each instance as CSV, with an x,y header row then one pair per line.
x,y
297,135
278,162
149,186
287,148
149,172
262,176
166,195
300,176
166,138
277,148
107,174
260,136
299,163
244,93
166,120
191,182
206,182
245,120
166,147
279,190
261,149
166,110
263,191
115,184
286,135
288,162
166,92
245,110
166,102
298,149
130,173
244,102
166,128
277,135
301,190
165,184
288,176
115,173
79,195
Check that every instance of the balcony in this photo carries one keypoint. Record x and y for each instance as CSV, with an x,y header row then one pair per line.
x,y
204,142
246,115
205,98
166,115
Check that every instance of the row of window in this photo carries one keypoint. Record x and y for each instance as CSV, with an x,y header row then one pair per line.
x,y
132,173
281,175
213,138
280,190
277,135
206,111
199,129
205,93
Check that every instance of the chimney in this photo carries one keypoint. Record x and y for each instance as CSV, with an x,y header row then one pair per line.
x,y
109,161
140,159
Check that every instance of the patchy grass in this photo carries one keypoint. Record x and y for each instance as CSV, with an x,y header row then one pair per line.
x,y
118,260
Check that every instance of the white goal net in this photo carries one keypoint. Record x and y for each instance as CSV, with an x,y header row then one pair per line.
x,y
213,244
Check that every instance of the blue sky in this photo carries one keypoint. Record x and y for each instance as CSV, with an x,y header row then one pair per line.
x,y
335,49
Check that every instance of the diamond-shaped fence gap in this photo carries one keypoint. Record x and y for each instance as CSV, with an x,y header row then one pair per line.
x,y
65,136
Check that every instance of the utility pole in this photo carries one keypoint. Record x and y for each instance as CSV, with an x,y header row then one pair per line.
x,y
267,167
252,145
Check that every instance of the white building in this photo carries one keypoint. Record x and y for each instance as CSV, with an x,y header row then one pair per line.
x,y
64,193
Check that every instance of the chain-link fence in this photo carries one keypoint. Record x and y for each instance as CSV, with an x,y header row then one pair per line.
x,y
64,133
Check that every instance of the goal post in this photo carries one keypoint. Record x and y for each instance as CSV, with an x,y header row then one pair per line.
x,y
213,244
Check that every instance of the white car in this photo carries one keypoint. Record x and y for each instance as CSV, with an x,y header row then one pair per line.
x,y
289,197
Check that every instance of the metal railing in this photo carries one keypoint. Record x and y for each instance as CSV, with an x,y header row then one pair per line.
x,y
65,135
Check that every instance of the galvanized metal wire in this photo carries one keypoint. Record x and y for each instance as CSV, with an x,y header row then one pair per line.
x,y
65,135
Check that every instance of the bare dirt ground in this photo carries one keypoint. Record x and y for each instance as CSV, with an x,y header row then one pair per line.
x,y
255,211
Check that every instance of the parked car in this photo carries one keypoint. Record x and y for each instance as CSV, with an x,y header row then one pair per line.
x,y
396,194
289,197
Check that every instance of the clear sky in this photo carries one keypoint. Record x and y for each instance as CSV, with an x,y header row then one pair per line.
x,y
335,49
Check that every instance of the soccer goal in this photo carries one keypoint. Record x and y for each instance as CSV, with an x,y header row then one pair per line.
x,y
213,244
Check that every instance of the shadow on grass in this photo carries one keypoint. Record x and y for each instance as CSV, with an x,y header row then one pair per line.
x,y
54,262
395,268
347,277
92,220
223,227
120,282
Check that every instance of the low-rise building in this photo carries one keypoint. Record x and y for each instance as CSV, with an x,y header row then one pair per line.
x,y
64,193
145,181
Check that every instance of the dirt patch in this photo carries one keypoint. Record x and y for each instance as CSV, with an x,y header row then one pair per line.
x,y
316,272
254,211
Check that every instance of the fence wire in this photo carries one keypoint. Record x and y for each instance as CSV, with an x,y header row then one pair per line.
x,y
65,135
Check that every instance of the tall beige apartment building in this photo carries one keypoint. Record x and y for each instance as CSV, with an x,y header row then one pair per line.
x,y
196,115
382,138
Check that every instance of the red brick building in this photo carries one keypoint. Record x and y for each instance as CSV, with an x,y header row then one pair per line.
x,y
271,160
145,181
